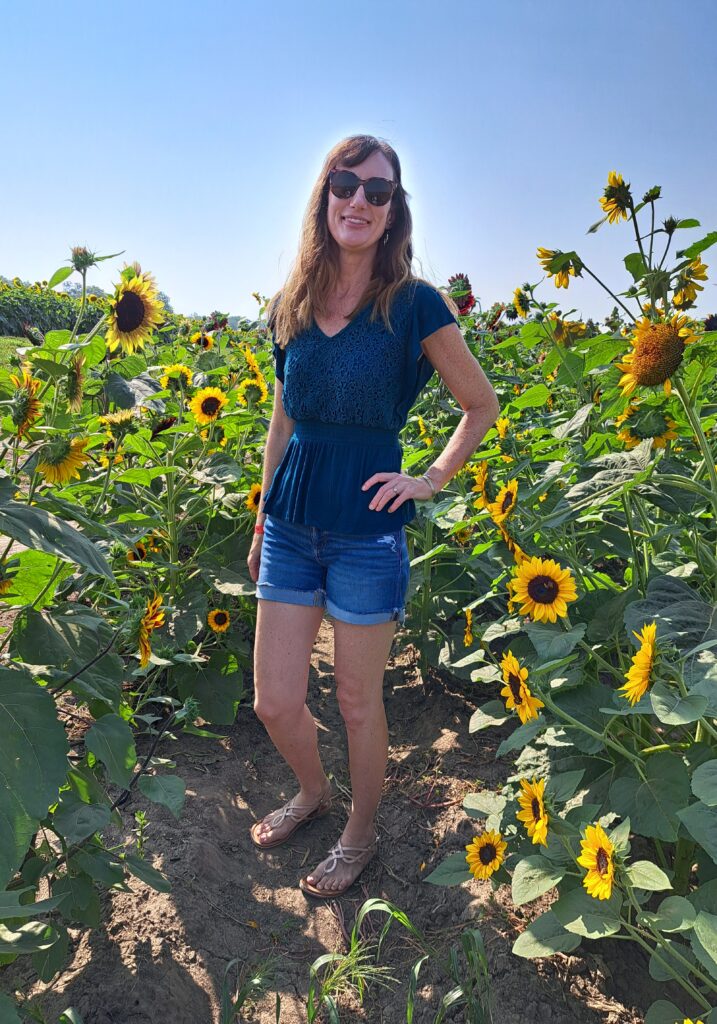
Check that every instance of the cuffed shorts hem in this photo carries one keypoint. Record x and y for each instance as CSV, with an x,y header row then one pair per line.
x,y
313,598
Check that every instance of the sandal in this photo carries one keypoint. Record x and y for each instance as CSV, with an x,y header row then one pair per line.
x,y
301,813
361,855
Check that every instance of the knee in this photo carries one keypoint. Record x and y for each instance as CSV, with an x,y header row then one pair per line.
x,y
356,706
270,707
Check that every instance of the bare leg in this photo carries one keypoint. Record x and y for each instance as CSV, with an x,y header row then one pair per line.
x,y
360,656
285,635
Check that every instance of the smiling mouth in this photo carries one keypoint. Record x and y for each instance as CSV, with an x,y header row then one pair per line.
x,y
355,220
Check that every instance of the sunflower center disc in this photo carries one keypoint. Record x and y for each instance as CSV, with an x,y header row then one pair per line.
x,y
535,807
507,500
658,354
487,854
210,406
601,861
130,312
543,589
514,684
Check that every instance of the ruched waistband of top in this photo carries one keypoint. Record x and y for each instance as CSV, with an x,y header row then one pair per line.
x,y
343,433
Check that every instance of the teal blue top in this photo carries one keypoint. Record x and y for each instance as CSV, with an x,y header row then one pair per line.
x,y
350,396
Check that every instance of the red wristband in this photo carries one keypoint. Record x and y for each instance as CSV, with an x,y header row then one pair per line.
x,y
258,528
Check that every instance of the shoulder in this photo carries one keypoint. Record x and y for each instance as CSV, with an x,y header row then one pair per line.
x,y
432,309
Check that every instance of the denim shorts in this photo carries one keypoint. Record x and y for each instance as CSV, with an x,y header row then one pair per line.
x,y
356,578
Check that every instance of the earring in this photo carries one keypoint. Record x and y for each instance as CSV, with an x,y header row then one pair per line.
x,y
385,238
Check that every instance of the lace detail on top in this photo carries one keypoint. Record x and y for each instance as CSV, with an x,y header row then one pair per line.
x,y
364,375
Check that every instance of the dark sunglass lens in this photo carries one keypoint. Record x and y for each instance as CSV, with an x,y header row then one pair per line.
x,y
344,184
378,191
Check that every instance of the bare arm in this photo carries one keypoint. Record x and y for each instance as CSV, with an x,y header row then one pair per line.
x,y
277,438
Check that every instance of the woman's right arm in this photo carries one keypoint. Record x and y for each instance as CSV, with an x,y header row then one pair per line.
x,y
277,438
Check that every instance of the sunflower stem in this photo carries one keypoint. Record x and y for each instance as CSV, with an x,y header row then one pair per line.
x,y
689,988
652,230
633,541
637,234
603,285
618,747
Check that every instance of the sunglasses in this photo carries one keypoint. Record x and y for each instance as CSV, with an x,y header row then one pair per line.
x,y
344,184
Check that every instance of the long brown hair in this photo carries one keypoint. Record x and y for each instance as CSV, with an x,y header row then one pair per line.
x,y
315,272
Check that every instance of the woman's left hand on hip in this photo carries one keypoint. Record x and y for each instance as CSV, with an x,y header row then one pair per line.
x,y
397,486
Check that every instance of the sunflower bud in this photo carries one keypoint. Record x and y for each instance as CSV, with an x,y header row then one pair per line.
x,y
652,193
670,225
82,259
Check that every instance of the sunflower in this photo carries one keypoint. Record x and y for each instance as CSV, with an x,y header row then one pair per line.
x,y
219,620
656,354
219,437
502,425
505,502
533,811
251,361
617,199
468,634
596,856
118,423
252,501
543,588
638,675
686,287
207,404
26,408
515,549
463,535
155,541
151,620
485,854
258,391
202,340
74,381
137,553
135,310
178,374
423,433
520,301
61,460
516,690
480,486
639,424
569,266
688,1021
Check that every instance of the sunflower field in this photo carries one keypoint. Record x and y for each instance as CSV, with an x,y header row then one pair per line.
x,y
569,571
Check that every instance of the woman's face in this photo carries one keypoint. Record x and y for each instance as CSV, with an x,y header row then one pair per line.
x,y
373,220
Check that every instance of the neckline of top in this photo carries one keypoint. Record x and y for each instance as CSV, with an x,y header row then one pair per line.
x,y
330,337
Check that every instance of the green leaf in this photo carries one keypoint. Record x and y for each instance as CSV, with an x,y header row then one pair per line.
x,y
653,805
47,962
704,941
674,914
147,874
701,822
33,763
59,276
697,247
672,708
111,741
27,938
575,424
452,871
682,617
534,396
645,875
76,820
168,790
490,714
34,528
584,915
553,642
662,1012
688,222
543,937
10,905
635,265
704,783
126,394
534,876
217,685
561,787
482,805
522,736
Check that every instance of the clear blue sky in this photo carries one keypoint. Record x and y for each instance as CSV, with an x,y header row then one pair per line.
x,y
190,134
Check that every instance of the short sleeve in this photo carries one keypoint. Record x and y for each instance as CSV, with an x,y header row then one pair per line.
x,y
429,313
279,359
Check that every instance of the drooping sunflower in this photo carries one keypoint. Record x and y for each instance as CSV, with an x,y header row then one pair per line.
x,y
202,340
656,353
485,854
253,498
511,543
543,588
219,620
151,620
638,424
252,391
468,634
423,433
533,811
135,310
74,382
502,425
638,675
597,857
570,266
505,501
686,287
520,301
516,691
617,198
251,361
178,374
25,407
62,459
137,553
480,486
207,404
117,424
219,438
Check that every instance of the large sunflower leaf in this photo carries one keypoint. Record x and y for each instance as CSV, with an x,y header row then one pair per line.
x,y
35,528
662,1012
704,783
33,763
704,941
112,742
682,617
701,822
128,393
543,937
532,877
584,915
653,805
673,709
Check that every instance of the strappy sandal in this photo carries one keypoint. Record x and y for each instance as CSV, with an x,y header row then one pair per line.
x,y
360,855
300,813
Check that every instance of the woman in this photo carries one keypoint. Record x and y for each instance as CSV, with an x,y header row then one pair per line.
x,y
356,337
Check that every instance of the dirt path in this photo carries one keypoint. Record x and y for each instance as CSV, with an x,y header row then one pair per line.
x,y
161,957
